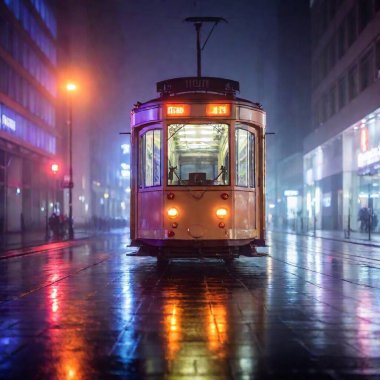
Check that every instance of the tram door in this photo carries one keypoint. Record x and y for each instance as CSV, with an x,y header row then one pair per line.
x,y
149,202
245,181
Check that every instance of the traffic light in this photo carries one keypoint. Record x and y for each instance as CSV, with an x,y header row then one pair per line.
x,y
54,168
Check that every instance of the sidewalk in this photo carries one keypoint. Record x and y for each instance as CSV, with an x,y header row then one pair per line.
x,y
354,238
13,242
17,244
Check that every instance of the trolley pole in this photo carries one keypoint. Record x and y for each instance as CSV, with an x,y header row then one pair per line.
x,y
198,26
198,21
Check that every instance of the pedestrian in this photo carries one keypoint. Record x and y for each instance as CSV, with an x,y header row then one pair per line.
x,y
363,217
54,225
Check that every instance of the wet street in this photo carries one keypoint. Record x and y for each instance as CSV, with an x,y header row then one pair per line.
x,y
310,310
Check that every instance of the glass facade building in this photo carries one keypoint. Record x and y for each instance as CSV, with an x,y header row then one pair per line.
x,y
341,155
29,139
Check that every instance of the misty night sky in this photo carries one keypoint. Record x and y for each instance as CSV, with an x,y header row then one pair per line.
x,y
125,46
134,44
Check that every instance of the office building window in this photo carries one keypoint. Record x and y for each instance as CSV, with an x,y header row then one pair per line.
x,y
378,58
366,70
351,26
331,53
342,92
331,8
324,63
332,101
18,88
12,41
315,116
341,40
352,83
46,15
30,24
365,7
325,102
14,124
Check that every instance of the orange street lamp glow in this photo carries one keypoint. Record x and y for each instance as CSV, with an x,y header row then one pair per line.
x,y
71,87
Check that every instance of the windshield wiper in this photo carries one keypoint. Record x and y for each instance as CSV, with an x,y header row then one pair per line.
x,y
172,170
223,173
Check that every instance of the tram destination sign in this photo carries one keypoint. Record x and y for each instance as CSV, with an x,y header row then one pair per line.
x,y
198,84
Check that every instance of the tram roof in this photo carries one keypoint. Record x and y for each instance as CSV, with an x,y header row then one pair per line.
x,y
193,89
186,85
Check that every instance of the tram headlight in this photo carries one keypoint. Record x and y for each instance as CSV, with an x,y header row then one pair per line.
x,y
172,212
221,213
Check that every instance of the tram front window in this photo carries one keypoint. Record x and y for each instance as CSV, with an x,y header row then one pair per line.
x,y
198,154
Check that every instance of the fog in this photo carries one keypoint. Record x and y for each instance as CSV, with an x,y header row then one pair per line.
x,y
125,47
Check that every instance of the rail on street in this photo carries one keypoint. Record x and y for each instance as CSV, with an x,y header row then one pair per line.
x,y
308,310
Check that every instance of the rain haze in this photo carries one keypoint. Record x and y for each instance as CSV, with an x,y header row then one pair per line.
x,y
197,229
126,47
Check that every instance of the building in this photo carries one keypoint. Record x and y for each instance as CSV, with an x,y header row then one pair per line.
x,y
342,154
291,114
95,60
30,140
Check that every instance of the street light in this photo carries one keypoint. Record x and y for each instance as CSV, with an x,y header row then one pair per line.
x,y
71,87
55,169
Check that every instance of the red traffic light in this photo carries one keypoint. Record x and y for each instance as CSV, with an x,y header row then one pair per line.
x,y
55,168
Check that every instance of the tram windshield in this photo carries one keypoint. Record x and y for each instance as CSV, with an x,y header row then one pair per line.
x,y
198,155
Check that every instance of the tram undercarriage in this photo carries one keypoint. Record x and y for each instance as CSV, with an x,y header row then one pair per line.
x,y
178,249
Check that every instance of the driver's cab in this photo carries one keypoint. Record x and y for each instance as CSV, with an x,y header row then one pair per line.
x,y
198,155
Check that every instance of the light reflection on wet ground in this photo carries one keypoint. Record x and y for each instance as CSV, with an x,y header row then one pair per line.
x,y
311,310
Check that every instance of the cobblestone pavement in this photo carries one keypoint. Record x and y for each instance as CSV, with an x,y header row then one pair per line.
x,y
310,310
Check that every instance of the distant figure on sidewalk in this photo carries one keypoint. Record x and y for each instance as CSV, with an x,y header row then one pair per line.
x,y
54,225
363,218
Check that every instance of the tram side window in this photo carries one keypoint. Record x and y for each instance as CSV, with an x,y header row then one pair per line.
x,y
245,158
150,173
252,160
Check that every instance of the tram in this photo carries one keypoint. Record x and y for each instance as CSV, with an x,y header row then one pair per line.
x,y
198,171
